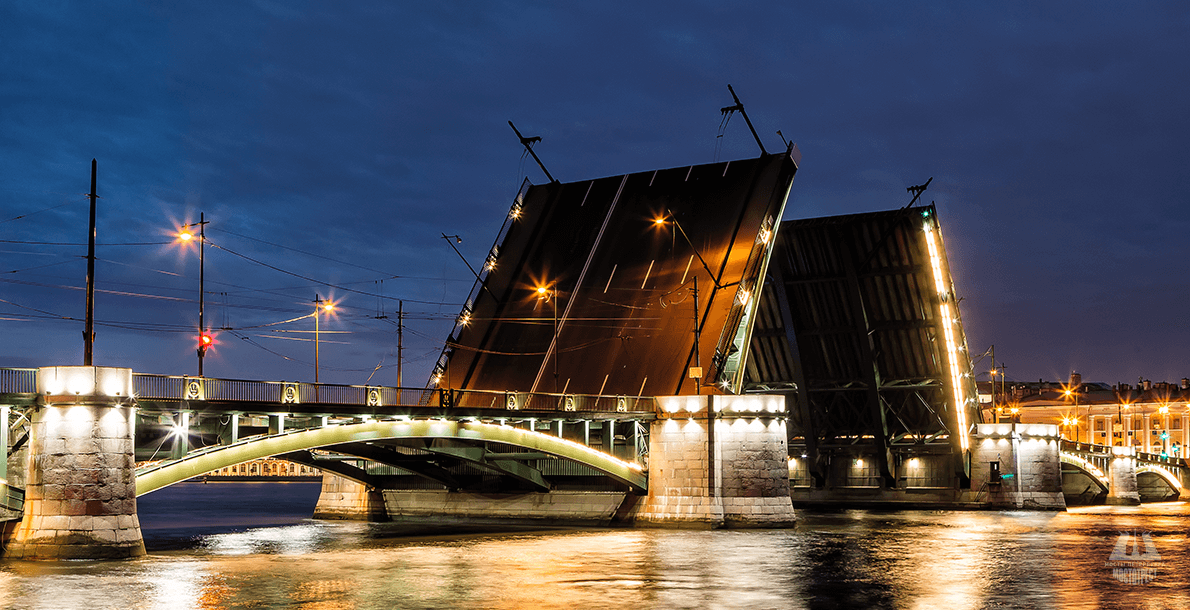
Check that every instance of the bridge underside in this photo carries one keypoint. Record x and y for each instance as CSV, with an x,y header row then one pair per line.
x,y
590,287
859,324
424,454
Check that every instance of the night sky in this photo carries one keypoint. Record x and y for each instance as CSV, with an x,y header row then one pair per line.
x,y
331,144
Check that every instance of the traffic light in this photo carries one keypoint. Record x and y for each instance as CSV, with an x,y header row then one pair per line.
x,y
204,341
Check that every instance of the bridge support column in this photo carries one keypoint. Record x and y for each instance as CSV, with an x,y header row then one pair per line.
x,y
80,495
1029,460
736,476
344,499
1121,478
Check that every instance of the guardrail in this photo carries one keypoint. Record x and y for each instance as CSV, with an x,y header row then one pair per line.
x,y
150,387
12,498
1106,450
18,381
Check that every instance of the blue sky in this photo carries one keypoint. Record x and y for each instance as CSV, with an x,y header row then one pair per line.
x,y
336,142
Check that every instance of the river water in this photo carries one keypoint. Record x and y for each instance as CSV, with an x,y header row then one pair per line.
x,y
249,545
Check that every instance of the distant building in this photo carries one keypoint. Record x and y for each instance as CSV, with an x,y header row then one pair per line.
x,y
1153,417
268,469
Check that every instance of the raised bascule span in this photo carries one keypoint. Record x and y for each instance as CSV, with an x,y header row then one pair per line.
x,y
596,286
860,321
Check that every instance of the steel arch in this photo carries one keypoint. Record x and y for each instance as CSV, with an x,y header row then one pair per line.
x,y
198,463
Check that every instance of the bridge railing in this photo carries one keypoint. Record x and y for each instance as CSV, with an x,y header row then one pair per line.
x,y
543,401
1106,451
12,498
171,388
18,381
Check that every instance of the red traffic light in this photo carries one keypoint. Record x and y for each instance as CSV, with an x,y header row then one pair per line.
x,y
205,340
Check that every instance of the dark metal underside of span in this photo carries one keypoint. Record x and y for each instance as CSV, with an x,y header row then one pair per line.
x,y
617,260
851,323
454,465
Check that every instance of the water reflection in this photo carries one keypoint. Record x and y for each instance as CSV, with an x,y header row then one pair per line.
x,y
951,560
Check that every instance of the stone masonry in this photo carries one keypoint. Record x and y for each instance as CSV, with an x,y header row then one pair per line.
x,y
749,485
342,498
80,494
1121,478
1030,454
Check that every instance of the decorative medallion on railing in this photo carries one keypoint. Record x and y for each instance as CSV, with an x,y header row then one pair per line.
x,y
289,394
195,389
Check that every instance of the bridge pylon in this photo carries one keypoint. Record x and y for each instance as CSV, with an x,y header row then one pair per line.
x,y
80,495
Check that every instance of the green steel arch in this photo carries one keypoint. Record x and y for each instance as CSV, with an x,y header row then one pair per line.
x,y
196,464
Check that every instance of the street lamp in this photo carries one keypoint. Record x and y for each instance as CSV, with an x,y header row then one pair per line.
x,y
319,306
185,235
543,292
1071,421
1068,392
1164,411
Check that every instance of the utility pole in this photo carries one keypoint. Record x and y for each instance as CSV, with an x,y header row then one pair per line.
x,y
204,340
319,306
995,413
555,346
400,337
89,324
697,340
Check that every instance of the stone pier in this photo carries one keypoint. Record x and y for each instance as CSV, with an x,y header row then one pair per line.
x,y
80,494
732,474
344,499
1028,458
1121,477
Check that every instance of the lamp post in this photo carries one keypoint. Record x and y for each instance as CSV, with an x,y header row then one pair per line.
x,y
1164,411
319,305
543,292
204,340
1068,392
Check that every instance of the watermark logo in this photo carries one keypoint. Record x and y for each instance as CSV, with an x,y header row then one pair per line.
x,y
1134,560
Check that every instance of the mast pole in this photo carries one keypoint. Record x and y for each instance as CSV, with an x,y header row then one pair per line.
x,y
89,324
528,144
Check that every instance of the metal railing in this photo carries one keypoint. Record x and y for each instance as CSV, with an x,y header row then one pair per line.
x,y
150,387
544,401
166,387
1100,451
12,498
18,381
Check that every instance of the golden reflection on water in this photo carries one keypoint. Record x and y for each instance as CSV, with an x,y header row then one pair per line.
x,y
950,560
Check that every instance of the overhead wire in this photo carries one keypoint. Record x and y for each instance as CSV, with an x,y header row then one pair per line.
x,y
27,214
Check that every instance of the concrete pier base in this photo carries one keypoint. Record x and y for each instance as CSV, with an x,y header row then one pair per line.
x,y
80,494
1028,458
587,508
735,474
344,499
1121,474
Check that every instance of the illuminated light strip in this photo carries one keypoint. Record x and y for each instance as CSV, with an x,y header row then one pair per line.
x,y
1085,464
947,322
1161,472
